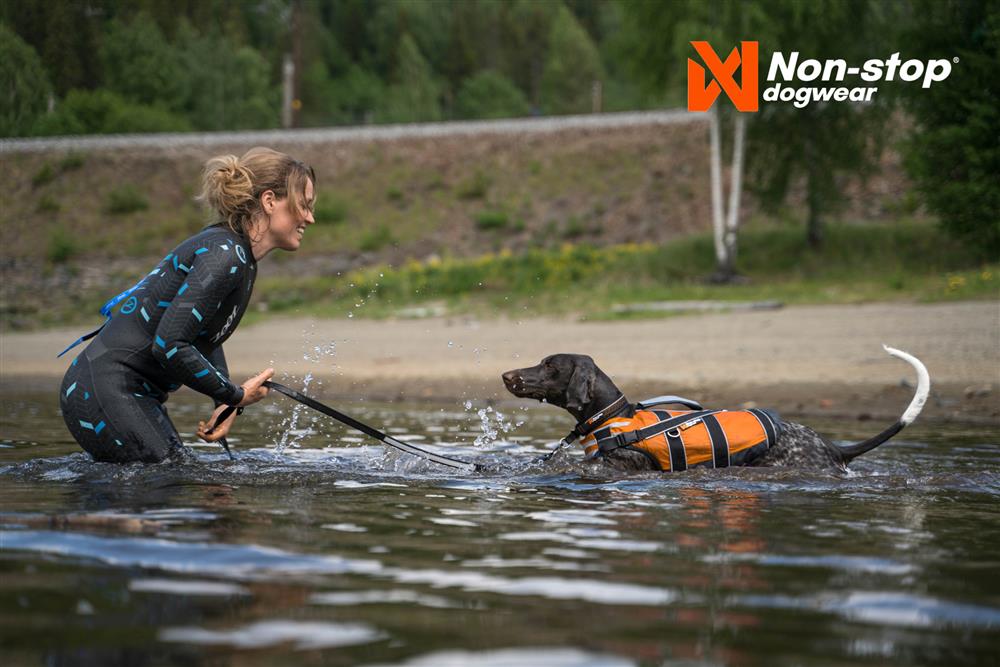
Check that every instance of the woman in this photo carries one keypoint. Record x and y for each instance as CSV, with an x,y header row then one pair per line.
x,y
170,328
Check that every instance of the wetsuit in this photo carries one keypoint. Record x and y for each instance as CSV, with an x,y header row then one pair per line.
x,y
167,333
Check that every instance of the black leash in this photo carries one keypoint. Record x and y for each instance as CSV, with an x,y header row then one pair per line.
x,y
360,426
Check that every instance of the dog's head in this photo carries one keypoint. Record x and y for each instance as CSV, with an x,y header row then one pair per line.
x,y
565,380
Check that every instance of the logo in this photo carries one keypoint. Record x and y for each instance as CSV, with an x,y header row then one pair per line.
x,y
242,255
225,327
787,73
129,306
744,97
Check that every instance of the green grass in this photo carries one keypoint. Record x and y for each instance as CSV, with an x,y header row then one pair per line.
x,y
125,199
911,262
475,187
48,204
46,174
491,220
331,209
860,264
62,245
376,239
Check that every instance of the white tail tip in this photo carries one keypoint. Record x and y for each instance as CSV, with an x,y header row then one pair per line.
x,y
923,384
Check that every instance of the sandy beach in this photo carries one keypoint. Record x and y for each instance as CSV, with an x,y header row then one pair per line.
x,y
803,360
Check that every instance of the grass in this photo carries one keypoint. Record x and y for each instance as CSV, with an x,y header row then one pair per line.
x,y
125,199
331,209
61,246
376,239
491,220
48,204
858,264
475,187
46,174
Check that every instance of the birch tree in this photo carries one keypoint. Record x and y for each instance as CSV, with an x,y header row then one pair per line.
x,y
661,47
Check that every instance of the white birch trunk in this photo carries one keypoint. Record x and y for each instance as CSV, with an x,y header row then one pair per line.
x,y
718,214
735,187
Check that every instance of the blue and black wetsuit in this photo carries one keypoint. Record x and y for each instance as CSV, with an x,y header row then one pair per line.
x,y
169,332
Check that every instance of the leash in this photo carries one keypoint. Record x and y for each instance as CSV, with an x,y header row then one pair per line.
x,y
359,426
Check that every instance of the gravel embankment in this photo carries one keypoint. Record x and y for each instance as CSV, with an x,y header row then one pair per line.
x,y
362,133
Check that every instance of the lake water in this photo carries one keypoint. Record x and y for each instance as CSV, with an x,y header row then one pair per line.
x,y
318,546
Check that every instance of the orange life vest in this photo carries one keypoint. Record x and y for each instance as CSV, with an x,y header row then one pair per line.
x,y
676,440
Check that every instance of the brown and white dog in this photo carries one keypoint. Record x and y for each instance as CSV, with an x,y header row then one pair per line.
x,y
574,382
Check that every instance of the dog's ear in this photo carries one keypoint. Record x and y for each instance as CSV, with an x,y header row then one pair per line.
x,y
580,388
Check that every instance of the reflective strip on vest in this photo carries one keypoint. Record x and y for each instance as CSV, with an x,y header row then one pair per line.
x,y
677,440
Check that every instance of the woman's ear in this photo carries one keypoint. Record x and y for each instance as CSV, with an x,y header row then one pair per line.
x,y
267,201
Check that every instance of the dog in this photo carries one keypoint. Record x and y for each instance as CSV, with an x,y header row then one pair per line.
x,y
614,427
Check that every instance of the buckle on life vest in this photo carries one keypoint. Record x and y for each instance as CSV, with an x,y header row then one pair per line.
x,y
622,439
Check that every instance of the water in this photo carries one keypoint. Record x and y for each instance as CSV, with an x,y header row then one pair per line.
x,y
336,551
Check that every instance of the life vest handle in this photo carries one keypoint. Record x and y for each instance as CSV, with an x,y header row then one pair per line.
x,y
663,400
106,311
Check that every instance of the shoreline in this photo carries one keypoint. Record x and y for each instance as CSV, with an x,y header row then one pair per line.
x,y
802,360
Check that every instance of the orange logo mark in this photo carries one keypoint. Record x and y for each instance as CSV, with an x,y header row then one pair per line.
x,y
745,97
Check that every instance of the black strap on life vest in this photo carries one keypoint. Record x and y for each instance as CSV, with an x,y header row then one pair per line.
x,y
769,427
611,442
720,443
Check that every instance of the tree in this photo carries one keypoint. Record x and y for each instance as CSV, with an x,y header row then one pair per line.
x,y
226,86
141,66
954,154
525,27
659,54
571,68
105,112
489,94
821,144
24,86
414,94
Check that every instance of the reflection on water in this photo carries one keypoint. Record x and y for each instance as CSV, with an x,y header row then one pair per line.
x,y
318,546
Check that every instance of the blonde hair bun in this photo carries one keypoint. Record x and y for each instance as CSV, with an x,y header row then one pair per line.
x,y
227,186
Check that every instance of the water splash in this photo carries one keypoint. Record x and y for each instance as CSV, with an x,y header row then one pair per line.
x,y
291,435
493,425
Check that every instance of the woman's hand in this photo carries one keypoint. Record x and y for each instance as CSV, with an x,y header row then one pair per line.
x,y
219,431
253,390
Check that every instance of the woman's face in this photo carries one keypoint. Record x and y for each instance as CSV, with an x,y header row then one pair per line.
x,y
288,222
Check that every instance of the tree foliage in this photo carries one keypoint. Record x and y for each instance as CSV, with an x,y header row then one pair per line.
x,y
234,93
107,112
24,85
140,65
954,156
414,94
489,94
572,67
218,64
820,145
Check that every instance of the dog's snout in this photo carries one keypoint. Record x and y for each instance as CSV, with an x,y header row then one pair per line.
x,y
510,378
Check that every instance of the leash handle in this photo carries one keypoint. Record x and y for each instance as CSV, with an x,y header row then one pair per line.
x,y
223,416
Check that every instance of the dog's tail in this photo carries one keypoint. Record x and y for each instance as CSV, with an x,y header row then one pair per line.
x,y
916,405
